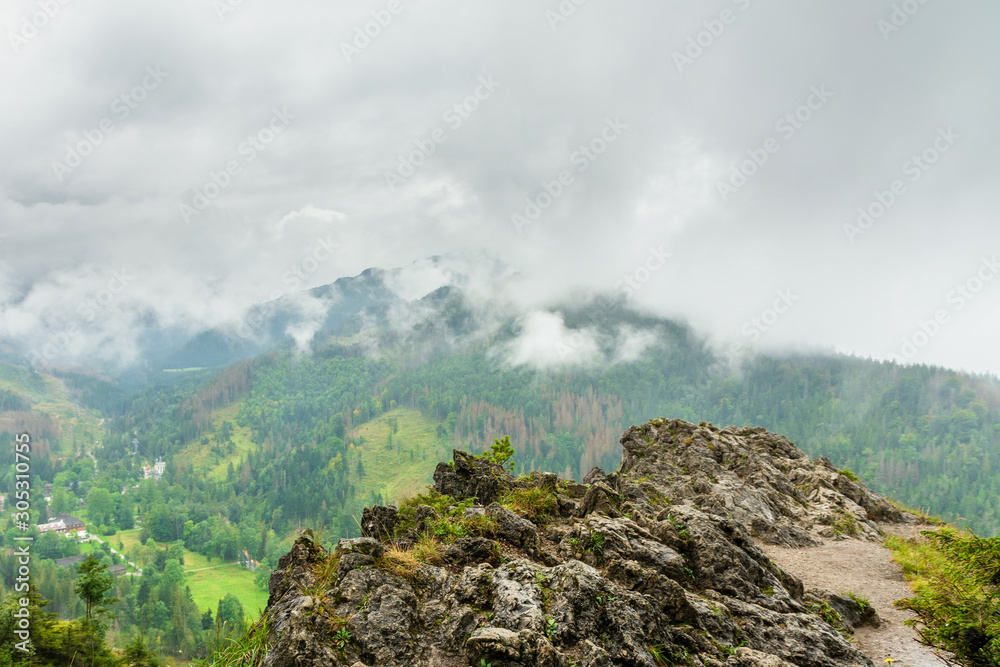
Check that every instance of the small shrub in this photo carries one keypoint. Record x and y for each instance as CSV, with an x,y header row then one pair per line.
x,y
239,648
657,654
596,545
326,571
828,614
956,576
501,452
440,502
427,550
398,561
849,475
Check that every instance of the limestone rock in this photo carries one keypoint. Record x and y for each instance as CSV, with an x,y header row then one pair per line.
x,y
655,563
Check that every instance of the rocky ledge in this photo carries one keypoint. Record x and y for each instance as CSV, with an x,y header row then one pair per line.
x,y
654,564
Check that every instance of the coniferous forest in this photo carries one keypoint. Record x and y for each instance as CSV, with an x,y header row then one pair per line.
x,y
292,450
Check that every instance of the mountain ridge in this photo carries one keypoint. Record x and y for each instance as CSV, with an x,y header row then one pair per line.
x,y
653,564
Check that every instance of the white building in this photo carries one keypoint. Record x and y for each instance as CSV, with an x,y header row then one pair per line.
x,y
156,472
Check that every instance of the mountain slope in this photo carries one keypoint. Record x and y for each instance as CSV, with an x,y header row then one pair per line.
x,y
45,408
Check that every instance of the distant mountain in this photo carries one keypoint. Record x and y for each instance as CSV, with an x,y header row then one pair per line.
x,y
267,325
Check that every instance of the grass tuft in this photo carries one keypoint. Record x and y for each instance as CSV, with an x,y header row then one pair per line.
x,y
239,647
536,505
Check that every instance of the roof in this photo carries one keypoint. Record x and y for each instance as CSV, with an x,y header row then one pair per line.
x,y
62,522
70,560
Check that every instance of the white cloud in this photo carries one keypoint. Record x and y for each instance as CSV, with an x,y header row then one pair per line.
x,y
545,342
324,174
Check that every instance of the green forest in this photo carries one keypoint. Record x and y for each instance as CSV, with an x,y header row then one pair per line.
x,y
292,451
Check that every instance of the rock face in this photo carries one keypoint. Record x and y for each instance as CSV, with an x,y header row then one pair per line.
x,y
654,564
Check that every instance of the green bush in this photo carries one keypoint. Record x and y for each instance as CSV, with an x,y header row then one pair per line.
x,y
957,579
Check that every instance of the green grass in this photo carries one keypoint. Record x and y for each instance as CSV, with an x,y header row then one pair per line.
x,y
192,560
242,648
201,456
210,586
392,472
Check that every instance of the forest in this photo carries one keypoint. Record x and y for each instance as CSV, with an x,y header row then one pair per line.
x,y
927,437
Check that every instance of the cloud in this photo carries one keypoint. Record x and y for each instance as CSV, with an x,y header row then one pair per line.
x,y
633,343
545,342
540,136
311,311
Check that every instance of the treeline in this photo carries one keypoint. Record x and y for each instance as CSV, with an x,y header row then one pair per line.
x,y
926,436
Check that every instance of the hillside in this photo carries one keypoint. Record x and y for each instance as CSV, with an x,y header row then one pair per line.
x,y
259,450
657,563
397,451
928,437
44,407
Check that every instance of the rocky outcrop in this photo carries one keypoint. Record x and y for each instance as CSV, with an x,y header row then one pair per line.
x,y
653,564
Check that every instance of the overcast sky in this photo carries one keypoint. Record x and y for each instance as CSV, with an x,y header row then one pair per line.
x,y
119,122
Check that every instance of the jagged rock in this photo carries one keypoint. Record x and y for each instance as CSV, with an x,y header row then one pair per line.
x,y
295,567
471,477
513,528
471,551
653,564
424,515
848,612
379,522
747,657
595,475
599,498
361,545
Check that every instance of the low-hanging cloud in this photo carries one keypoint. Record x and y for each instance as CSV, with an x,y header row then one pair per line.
x,y
742,112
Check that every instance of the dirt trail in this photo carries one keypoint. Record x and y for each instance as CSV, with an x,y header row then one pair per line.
x,y
866,569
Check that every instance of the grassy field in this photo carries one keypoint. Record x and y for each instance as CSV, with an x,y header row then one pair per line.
x,y
406,468
201,456
210,586
397,472
50,396
209,579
